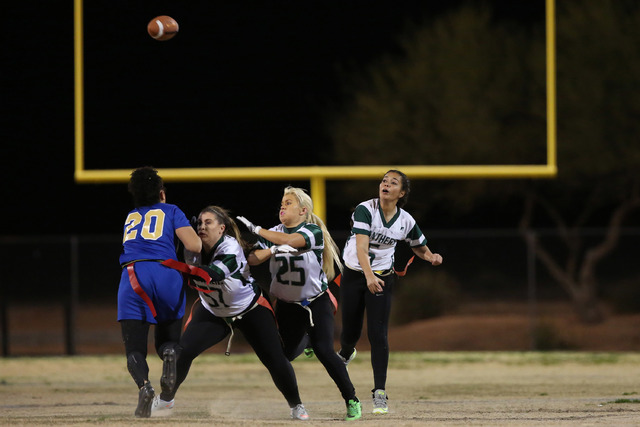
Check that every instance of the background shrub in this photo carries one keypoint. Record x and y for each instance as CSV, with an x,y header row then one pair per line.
x,y
424,294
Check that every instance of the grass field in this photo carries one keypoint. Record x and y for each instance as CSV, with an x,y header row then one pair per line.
x,y
426,388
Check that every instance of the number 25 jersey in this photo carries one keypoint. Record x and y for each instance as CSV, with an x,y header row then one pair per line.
x,y
298,276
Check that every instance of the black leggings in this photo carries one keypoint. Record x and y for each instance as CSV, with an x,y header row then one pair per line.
x,y
134,337
294,324
354,298
259,329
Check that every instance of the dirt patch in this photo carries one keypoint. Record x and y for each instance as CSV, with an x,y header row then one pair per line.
x,y
510,326
452,389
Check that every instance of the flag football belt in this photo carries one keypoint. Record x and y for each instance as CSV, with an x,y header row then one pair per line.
x,y
230,320
260,300
190,270
171,263
305,303
381,273
401,273
133,280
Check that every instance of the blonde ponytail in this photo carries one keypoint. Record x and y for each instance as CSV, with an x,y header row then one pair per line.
x,y
331,253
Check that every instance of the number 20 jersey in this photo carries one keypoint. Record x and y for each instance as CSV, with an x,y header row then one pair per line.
x,y
149,233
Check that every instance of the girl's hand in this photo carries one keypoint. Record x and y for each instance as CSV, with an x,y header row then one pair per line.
x,y
255,229
375,284
436,259
283,249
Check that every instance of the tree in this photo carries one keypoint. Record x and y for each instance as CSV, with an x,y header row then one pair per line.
x,y
470,89
598,152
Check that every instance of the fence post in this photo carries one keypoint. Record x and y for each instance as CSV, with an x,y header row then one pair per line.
x,y
4,318
72,303
531,239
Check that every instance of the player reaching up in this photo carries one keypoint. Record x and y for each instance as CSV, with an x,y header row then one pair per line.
x,y
368,279
149,292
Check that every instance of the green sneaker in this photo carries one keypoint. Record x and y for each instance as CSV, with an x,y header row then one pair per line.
x,y
354,410
308,352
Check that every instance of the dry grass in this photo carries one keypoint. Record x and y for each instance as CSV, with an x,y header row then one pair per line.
x,y
426,388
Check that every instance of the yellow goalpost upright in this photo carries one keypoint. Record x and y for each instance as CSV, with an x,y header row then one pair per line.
x,y
318,175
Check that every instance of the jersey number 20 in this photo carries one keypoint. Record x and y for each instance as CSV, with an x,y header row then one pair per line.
x,y
152,227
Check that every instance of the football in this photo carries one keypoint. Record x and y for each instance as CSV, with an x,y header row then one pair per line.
x,y
162,27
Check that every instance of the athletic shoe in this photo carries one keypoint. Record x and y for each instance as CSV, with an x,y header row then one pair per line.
x,y
168,378
145,399
346,361
354,410
161,408
308,352
380,402
299,413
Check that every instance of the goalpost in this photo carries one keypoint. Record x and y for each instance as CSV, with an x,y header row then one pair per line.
x,y
318,175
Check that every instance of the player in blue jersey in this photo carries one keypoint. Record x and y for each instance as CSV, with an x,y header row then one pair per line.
x,y
300,280
229,299
150,292
367,282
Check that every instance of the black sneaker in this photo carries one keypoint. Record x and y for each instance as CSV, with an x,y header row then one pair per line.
x,y
168,378
145,399
344,359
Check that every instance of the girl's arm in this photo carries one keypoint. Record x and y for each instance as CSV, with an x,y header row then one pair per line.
x,y
295,240
189,239
258,256
374,283
425,253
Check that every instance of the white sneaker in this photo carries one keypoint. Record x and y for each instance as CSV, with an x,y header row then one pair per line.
x,y
380,405
161,408
299,413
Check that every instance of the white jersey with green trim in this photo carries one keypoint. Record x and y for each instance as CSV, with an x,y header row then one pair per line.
x,y
368,219
232,290
297,276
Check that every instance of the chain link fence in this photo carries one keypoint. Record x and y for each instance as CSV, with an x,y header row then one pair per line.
x,y
58,293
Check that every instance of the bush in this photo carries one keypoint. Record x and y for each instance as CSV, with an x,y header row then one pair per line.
x,y
625,296
547,338
424,294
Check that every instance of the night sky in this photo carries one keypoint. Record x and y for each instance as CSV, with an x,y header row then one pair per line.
x,y
243,84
